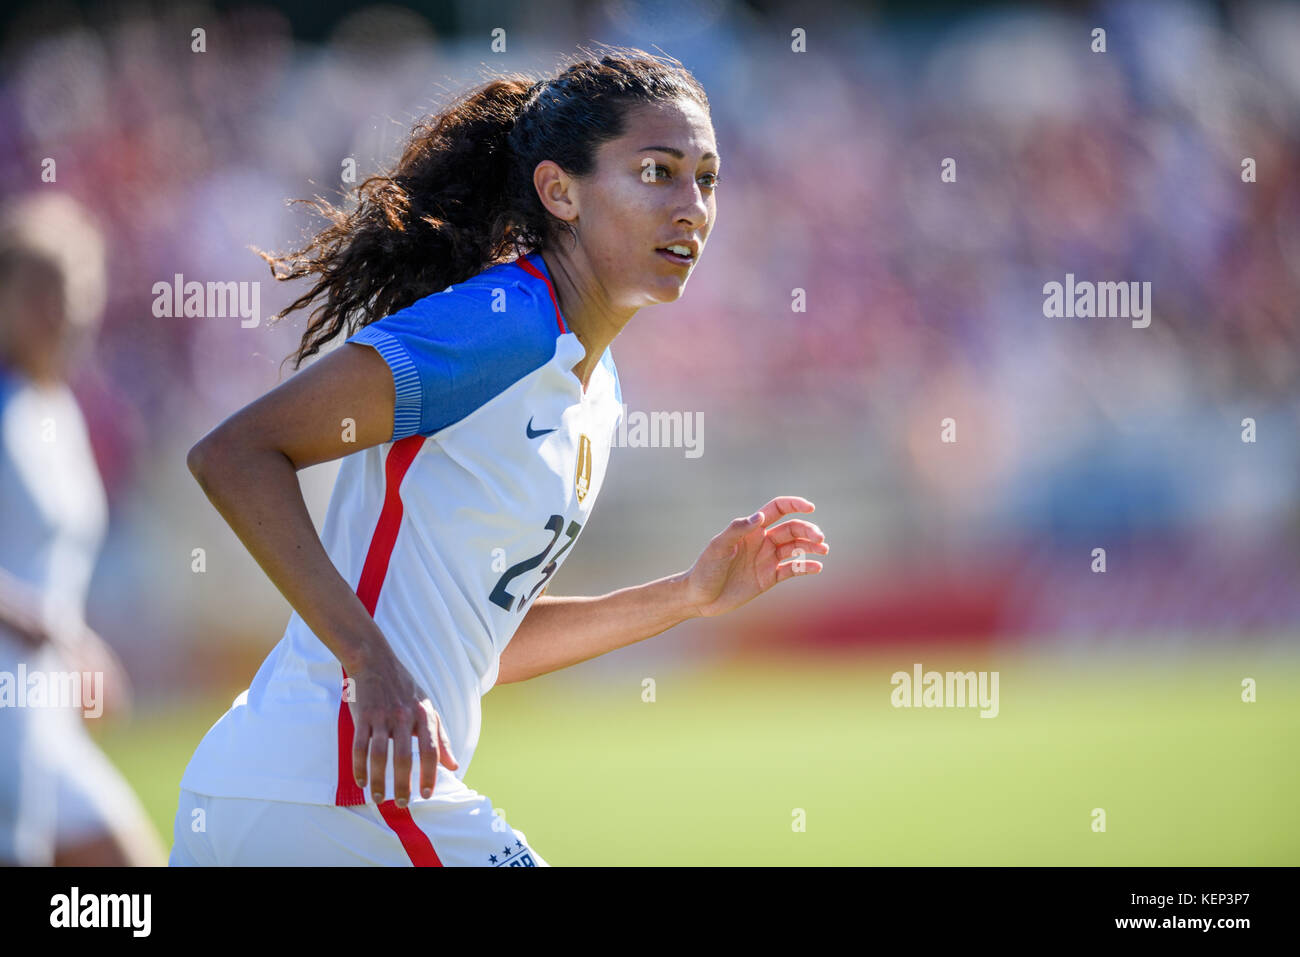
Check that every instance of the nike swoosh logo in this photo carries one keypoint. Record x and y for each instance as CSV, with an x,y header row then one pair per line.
x,y
534,434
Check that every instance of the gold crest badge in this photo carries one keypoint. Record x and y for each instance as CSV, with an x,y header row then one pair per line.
x,y
582,479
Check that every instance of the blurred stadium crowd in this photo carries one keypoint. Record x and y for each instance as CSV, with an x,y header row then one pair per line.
x,y
924,301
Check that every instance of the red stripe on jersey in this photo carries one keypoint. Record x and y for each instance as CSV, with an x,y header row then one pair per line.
x,y
415,842
373,572
538,274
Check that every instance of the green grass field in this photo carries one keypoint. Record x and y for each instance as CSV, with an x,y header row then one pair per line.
x,y
713,770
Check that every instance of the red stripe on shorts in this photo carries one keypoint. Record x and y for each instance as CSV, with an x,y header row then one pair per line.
x,y
415,842
373,572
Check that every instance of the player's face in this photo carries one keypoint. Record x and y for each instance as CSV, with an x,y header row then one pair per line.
x,y
38,334
652,187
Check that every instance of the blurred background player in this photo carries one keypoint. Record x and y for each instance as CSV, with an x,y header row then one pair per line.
x,y
61,800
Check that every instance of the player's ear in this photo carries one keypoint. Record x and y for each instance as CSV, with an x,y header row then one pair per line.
x,y
557,190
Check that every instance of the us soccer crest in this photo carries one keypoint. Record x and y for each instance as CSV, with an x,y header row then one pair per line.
x,y
582,479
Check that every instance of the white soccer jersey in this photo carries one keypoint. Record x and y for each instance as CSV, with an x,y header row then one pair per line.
x,y
52,501
448,532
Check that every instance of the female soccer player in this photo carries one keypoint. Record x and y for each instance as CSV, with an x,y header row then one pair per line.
x,y
474,410
61,799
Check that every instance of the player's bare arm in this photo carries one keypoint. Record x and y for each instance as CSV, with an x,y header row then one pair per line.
x,y
20,610
248,468
79,645
742,561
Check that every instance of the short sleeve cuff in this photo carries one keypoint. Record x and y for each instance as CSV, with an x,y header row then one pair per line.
x,y
406,380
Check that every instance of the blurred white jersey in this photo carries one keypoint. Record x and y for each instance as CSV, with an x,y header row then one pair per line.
x,y
52,501
447,532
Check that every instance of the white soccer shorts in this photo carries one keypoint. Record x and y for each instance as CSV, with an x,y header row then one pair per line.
x,y
455,828
57,788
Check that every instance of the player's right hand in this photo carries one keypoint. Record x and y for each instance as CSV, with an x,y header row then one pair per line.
x,y
386,705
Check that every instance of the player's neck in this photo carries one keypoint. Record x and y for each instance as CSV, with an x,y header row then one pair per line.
x,y
41,375
587,312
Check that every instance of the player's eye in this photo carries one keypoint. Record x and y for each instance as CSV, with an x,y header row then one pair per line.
x,y
709,180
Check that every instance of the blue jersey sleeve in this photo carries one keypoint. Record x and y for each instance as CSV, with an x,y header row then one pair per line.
x,y
455,350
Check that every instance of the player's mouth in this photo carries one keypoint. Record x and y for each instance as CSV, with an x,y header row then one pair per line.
x,y
680,254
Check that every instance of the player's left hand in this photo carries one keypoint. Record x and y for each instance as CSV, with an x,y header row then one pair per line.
x,y
752,554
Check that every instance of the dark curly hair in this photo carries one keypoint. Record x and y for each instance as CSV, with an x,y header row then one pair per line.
x,y
461,198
